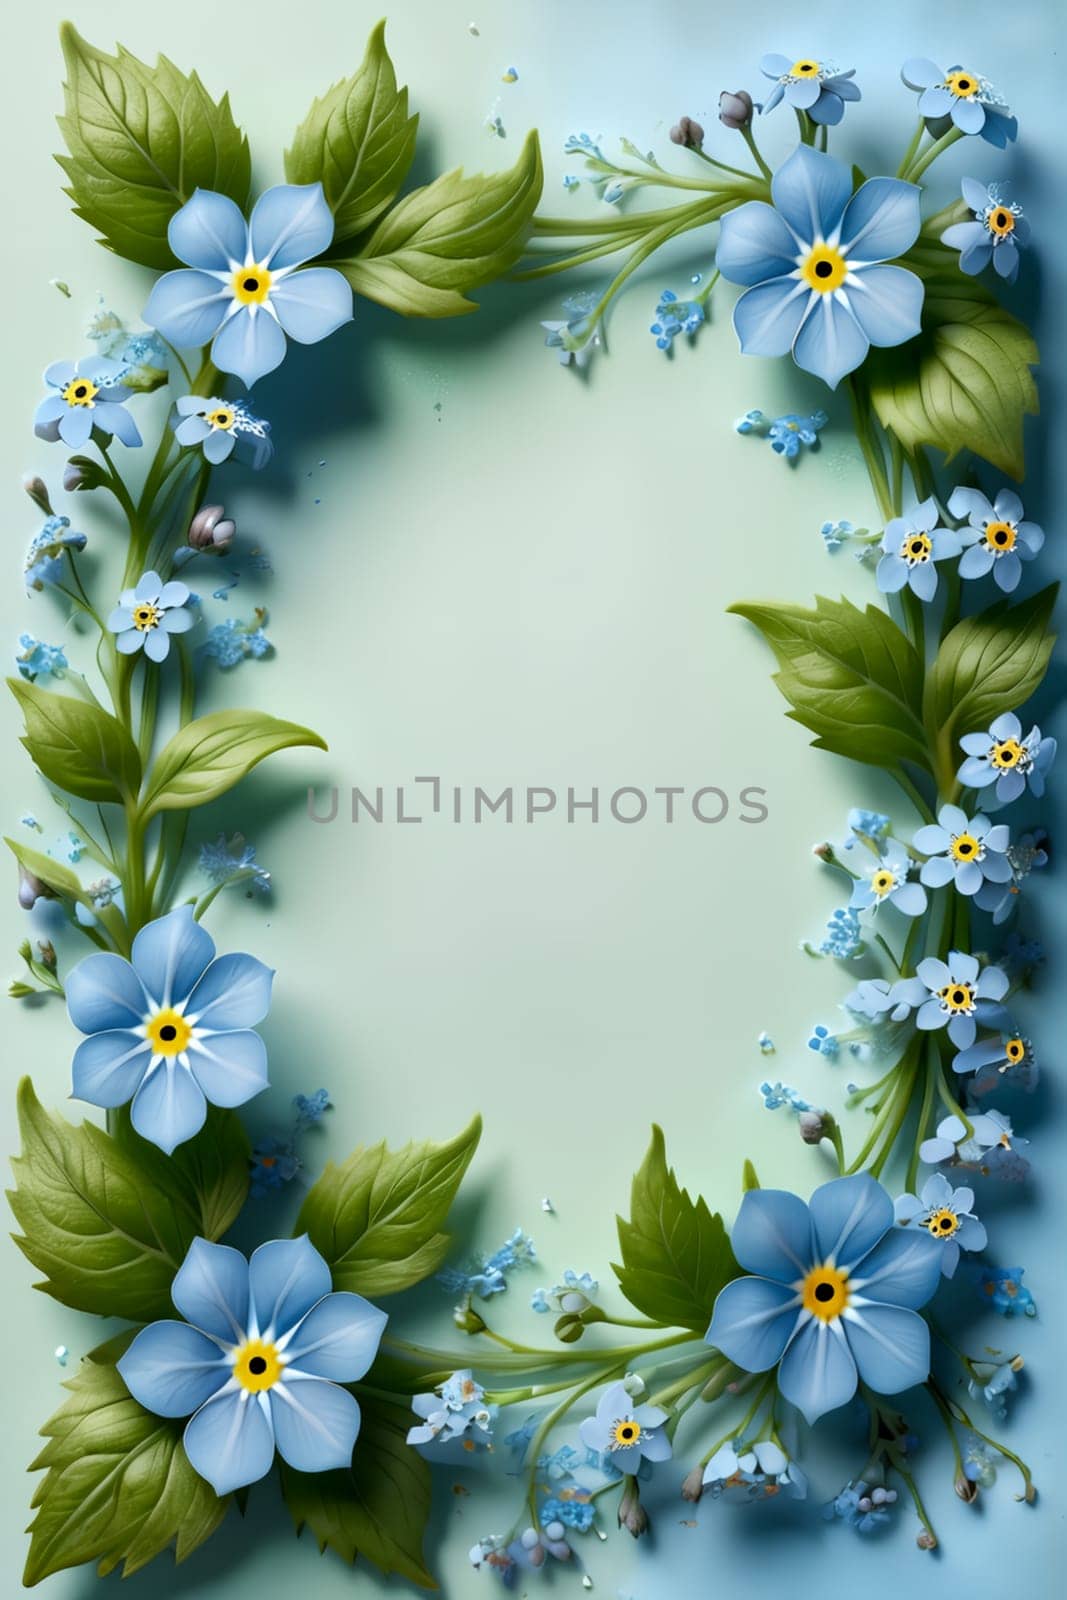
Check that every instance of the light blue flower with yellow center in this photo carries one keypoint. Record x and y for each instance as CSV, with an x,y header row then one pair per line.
x,y
999,538
221,427
259,1361
1006,759
959,98
960,994
815,266
887,883
833,1297
624,1435
88,394
946,1214
245,287
807,84
148,614
963,850
911,545
997,233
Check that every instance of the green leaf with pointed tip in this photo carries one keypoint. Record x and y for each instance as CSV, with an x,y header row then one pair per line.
x,y
749,1180
851,676
379,1507
676,1255
965,383
358,142
65,883
108,1218
118,1487
210,755
377,1217
142,140
440,242
79,746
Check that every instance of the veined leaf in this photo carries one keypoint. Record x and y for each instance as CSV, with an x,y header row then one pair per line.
x,y
210,755
79,746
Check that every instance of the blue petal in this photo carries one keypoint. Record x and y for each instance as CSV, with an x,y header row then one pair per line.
x,y
103,991
116,420
312,304
249,346
178,621
148,590
772,1235
902,1270
849,1216
169,1107
230,1441
923,581
655,1445
969,116
752,1322
286,1278
919,72
891,574
811,191
910,900
963,235
289,224
108,1067
768,317
1007,572
891,1346
234,992
59,374
881,220
828,109
186,307
76,426
230,1067
937,101
754,245
804,93
193,430
887,304
156,645
774,65
818,1373
316,1424
170,954
338,1339
933,838
209,231
171,1369
219,445
831,343
1006,726
210,1289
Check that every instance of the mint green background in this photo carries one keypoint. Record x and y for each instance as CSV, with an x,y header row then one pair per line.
x,y
516,576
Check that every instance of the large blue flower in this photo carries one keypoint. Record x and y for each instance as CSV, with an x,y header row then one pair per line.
x,y
243,291
997,233
959,98
814,266
808,84
88,394
835,1294
170,1029
259,1361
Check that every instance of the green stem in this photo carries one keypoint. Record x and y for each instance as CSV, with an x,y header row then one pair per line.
x,y
872,453
931,153
913,148
737,1431
750,139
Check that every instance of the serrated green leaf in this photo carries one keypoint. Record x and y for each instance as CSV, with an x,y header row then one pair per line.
x,y
676,1255
358,142
79,746
379,1507
442,241
141,141
118,1485
210,755
965,383
377,1216
108,1219
852,677
987,664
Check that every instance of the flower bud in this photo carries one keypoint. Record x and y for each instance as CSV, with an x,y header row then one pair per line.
x,y
966,1488
926,1540
211,529
693,1486
37,490
82,473
813,1126
569,1328
735,110
467,1319
824,851
632,1514
19,991
591,1313
31,889
688,133
48,954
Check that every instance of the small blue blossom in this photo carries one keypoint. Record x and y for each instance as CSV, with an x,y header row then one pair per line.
x,y
574,1294
147,615
273,1163
576,338
233,641
857,1506
570,182
911,544
823,1042
45,558
751,422
960,993
87,395
946,1214
836,534
223,428
997,233
993,1382
1000,1058
73,848
739,1471
863,825
28,820
818,87
960,98
887,882
1004,758
456,1411
989,1146
789,432
311,1109
226,859
577,1511
38,660
580,144
776,1095
624,1435
1003,1287
674,317
487,1275
844,938
998,538
1025,855
965,851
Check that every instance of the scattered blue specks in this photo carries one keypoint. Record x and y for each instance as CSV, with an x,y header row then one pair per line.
x,y
766,1044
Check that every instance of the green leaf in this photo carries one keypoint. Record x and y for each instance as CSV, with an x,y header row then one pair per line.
x,y
141,141
357,141
966,383
108,1219
118,1485
440,242
749,1180
851,676
675,1252
77,745
378,1508
63,882
377,1217
987,664
210,755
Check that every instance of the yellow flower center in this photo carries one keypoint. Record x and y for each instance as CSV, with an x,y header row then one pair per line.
x,y
1000,221
825,1292
883,881
625,1433
257,1366
1000,537
168,1033
1006,754
962,84
965,847
1015,1050
958,998
146,617
824,269
917,547
251,285
805,68
80,392
942,1224
222,417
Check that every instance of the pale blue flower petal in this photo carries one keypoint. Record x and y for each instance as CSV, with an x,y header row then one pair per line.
x,y
103,991
767,318
219,445
772,1235
811,191
171,1369
752,1322
923,580
829,108
919,72
818,1373
934,973
933,838
178,621
849,1216
286,1277
108,1067
312,304
1007,571
210,232
891,1346
968,115
316,1424
186,307
249,346
289,224
903,1269
210,1290
969,877
754,245
116,420
910,900
881,220
234,992
887,303
892,574
655,1445
157,645
127,644
170,954
230,1440
76,426
59,374
230,1067
831,343
169,1107
338,1339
